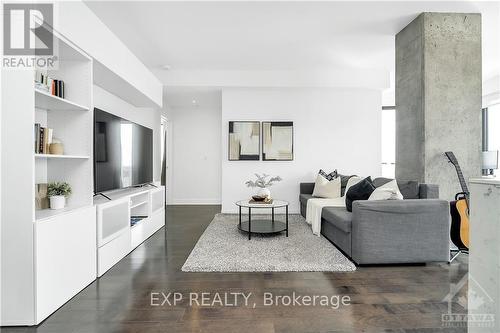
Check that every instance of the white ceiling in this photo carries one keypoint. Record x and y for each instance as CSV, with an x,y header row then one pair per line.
x,y
277,36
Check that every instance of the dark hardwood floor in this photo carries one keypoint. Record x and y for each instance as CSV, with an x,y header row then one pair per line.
x,y
384,299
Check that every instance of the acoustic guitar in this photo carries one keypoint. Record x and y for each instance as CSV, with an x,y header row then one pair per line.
x,y
459,209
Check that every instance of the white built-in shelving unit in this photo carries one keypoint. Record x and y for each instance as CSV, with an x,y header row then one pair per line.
x,y
48,256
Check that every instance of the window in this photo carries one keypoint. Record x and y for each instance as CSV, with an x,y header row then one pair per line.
x,y
493,130
389,142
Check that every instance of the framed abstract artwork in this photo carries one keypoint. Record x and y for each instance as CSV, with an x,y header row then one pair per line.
x,y
244,141
277,141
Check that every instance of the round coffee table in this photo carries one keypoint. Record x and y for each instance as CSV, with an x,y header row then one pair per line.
x,y
263,226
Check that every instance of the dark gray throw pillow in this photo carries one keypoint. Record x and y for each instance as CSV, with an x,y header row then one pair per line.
x,y
359,191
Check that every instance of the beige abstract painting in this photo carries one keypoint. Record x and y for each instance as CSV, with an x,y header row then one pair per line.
x,y
244,141
277,141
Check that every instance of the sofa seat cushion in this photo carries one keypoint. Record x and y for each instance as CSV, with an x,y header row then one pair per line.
x,y
338,217
304,197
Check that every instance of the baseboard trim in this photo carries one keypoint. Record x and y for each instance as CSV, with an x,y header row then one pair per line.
x,y
195,202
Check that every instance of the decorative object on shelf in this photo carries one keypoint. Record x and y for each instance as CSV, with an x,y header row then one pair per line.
x,y
277,141
244,141
56,147
263,182
490,162
57,193
41,198
43,139
136,219
45,83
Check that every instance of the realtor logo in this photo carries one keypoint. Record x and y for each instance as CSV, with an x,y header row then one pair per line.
x,y
27,29
479,306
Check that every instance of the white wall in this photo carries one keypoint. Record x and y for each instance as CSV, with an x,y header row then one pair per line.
x,y
79,24
333,129
147,117
195,155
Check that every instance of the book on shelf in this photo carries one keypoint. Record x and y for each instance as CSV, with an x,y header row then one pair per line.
x,y
45,83
43,139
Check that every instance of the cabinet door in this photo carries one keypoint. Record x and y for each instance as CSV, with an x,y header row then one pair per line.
x,y
157,199
485,217
484,268
113,219
65,258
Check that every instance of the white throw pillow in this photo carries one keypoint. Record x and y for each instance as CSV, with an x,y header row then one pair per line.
x,y
323,188
352,181
388,191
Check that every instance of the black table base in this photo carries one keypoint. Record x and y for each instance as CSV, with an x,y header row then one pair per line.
x,y
262,226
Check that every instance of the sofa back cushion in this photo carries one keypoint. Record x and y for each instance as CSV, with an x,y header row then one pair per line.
x,y
343,182
409,188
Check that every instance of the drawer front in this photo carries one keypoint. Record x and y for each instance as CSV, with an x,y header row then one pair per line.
x,y
147,227
65,258
111,253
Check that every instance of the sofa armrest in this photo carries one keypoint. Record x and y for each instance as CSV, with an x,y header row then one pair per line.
x,y
400,231
428,191
306,188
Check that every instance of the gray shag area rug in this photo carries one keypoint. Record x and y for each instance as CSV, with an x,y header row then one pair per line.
x,y
224,248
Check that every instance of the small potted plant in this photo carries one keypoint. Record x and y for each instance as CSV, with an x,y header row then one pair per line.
x,y
57,193
263,182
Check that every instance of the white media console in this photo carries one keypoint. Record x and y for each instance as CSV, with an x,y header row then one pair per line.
x,y
125,221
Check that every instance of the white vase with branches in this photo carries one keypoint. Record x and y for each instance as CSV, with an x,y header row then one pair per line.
x,y
262,183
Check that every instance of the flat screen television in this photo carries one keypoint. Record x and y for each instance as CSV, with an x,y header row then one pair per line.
x,y
123,153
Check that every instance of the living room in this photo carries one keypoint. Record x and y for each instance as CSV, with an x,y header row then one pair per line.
x,y
250,166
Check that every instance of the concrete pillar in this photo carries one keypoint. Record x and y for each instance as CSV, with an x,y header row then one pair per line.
x,y
438,99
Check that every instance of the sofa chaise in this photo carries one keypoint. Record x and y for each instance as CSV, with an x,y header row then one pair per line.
x,y
413,230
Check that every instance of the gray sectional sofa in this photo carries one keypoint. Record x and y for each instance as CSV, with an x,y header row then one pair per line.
x,y
413,230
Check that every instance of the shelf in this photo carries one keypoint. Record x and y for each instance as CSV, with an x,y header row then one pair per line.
x,y
44,214
76,157
44,100
138,204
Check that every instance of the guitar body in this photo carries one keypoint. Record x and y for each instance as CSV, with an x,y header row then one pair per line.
x,y
459,231
463,211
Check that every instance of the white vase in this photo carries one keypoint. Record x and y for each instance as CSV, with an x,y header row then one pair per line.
x,y
264,192
57,202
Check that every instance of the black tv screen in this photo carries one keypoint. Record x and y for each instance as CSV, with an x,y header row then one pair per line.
x,y
123,152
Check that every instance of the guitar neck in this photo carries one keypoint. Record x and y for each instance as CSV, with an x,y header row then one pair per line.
x,y
462,181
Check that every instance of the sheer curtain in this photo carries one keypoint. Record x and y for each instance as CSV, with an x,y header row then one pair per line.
x,y
494,128
389,142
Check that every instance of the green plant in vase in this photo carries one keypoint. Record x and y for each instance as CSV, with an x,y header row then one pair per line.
x,y
57,193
